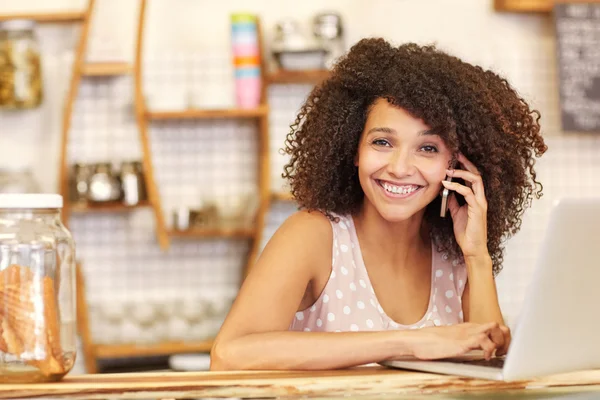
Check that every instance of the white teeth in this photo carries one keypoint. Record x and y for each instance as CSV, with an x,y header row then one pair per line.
x,y
399,189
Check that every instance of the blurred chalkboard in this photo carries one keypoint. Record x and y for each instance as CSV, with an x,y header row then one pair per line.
x,y
578,45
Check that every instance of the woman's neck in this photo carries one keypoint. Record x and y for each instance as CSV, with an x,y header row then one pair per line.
x,y
398,243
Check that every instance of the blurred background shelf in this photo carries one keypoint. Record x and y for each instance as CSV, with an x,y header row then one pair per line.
x,y
106,69
243,233
282,196
258,112
531,6
81,208
301,77
49,17
158,349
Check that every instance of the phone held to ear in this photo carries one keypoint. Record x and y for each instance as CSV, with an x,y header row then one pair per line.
x,y
445,195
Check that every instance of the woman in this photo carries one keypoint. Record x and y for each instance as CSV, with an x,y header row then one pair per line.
x,y
369,270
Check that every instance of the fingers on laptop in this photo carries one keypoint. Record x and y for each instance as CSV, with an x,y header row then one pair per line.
x,y
496,339
485,327
482,341
504,349
497,336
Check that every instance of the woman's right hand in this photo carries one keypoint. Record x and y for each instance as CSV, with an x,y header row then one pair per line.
x,y
456,340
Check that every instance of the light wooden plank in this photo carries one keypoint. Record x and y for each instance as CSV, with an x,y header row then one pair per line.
x,y
59,17
106,207
209,114
207,233
106,69
532,6
523,6
140,350
83,323
369,382
82,310
140,113
68,110
298,77
264,165
282,196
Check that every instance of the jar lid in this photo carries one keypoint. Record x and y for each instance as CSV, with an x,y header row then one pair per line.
x,y
17,25
22,200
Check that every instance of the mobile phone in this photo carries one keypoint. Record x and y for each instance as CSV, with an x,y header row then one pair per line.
x,y
445,201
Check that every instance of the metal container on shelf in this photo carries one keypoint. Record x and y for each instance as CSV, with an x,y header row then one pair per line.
x,y
293,50
132,182
20,65
181,219
79,182
205,217
37,290
328,29
104,186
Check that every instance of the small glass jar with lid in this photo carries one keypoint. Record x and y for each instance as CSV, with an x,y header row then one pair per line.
x,y
37,289
20,65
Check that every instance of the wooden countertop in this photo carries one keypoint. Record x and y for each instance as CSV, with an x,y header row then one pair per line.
x,y
357,382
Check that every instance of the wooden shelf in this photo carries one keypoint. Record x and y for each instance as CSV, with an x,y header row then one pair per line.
x,y
282,196
147,350
290,76
531,6
106,69
209,114
49,17
213,233
105,207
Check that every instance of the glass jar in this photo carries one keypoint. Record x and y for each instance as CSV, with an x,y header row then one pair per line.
x,y
20,66
37,289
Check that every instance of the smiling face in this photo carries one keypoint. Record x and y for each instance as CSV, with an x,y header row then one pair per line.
x,y
400,164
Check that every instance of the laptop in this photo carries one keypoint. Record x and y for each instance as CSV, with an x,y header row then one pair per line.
x,y
558,329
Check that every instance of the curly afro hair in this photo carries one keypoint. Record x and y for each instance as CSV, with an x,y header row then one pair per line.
x,y
475,111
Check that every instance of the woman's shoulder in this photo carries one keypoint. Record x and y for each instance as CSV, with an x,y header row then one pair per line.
x,y
316,225
305,221
307,230
303,241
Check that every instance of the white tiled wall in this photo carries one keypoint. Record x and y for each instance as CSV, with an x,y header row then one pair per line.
x,y
193,160
569,168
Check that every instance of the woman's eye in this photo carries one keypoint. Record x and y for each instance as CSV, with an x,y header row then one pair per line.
x,y
380,142
429,149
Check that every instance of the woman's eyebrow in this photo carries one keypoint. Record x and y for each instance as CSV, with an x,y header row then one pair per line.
x,y
429,132
383,129
391,131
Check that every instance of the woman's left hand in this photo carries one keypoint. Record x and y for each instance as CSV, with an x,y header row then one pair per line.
x,y
469,220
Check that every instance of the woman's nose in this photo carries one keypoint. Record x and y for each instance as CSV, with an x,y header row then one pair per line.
x,y
401,164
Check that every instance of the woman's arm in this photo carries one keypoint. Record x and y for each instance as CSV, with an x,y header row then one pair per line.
x,y
255,334
284,350
480,299
308,350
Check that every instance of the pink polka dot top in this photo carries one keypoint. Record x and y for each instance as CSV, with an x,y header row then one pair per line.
x,y
348,301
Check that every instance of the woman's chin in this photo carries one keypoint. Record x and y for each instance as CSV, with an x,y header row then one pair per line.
x,y
397,215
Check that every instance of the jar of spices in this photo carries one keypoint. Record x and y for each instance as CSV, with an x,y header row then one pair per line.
x,y
20,66
37,289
